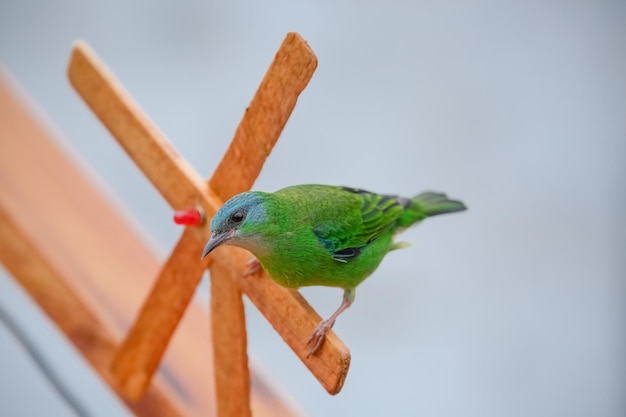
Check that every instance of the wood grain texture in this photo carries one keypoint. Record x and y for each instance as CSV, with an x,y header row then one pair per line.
x,y
266,116
21,258
141,351
89,268
58,253
171,175
232,378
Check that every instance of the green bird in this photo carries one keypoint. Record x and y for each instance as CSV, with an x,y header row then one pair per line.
x,y
325,235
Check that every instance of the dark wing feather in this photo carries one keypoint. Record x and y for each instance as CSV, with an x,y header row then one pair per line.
x,y
345,238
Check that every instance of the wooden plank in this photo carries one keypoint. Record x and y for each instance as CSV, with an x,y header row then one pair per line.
x,y
83,239
232,378
266,116
106,97
44,284
49,248
171,175
140,353
283,309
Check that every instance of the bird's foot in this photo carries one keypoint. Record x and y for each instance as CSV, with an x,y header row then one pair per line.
x,y
318,336
253,267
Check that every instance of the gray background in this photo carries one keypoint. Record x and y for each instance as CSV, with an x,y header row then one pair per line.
x,y
514,308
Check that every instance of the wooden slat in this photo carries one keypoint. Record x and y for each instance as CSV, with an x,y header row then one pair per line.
x,y
106,97
266,116
232,378
57,252
21,257
140,353
171,175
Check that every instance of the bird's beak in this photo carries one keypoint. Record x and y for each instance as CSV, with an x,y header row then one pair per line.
x,y
215,241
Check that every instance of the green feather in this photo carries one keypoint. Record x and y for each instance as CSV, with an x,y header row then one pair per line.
x,y
428,204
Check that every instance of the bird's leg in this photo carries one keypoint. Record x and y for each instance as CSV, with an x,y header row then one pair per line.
x,y
319,334
253,267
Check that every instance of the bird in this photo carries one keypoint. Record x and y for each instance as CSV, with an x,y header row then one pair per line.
x,y
321,235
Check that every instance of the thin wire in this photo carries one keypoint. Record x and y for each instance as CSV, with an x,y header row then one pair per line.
x,y
72,401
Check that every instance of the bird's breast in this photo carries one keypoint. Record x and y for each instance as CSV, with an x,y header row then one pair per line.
x,y
294,261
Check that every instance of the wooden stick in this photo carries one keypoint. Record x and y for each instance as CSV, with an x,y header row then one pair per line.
x,y
140,354
265,118
31,249
75,320
232,377
282,308
171,175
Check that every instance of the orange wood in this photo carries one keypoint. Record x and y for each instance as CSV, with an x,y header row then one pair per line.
x,y
21,258
266,116
232,378
140,353
171,175
73,253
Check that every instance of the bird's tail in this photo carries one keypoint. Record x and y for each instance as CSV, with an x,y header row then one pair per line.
x,y
428,204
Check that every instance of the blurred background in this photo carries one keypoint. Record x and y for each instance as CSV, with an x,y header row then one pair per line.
x,y
515,307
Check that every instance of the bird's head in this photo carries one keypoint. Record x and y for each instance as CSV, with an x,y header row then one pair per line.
x,y
239,219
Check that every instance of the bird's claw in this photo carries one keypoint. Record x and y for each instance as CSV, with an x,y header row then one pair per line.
x,y
318,336
253,267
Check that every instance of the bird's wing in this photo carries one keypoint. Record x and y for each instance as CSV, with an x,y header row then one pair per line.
x,y
344,238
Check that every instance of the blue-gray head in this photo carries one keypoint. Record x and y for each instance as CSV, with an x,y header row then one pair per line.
x,y
240,217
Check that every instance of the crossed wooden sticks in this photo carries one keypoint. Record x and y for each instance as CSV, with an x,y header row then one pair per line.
x,y
291,316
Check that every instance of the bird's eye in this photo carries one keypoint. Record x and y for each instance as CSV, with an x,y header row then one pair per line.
x,y
237,217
